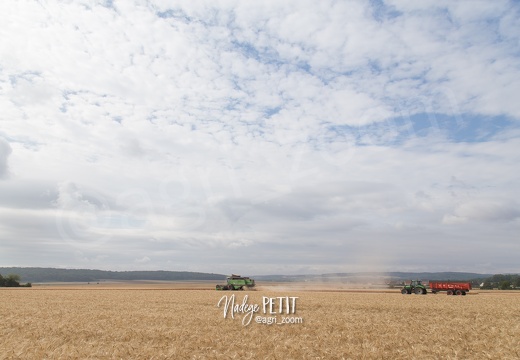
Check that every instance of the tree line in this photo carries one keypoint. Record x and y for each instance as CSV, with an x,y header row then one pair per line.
x,y
42,275
12,280
502,282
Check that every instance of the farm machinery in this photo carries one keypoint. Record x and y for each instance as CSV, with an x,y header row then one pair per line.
x,y
237,282
451,288
415,287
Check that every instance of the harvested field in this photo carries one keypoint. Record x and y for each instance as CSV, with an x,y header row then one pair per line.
x,y
160,322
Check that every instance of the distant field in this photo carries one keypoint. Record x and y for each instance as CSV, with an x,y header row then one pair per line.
x,y
182,321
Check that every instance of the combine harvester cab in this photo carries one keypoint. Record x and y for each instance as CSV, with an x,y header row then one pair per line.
x,y
451,288
237,282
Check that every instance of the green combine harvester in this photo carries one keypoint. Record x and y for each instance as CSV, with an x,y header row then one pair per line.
x,y
237,282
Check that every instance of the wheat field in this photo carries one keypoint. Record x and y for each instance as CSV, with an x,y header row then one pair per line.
x,y
164,323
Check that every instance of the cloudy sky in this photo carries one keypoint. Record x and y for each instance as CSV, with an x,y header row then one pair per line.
x,y
260,137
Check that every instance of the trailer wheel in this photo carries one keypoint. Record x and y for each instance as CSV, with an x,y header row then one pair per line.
x,y
458,292
463,293
449,292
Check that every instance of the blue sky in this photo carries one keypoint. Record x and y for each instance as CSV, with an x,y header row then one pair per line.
x,y
259,138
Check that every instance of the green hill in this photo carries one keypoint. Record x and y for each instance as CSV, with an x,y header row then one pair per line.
x,y
39,275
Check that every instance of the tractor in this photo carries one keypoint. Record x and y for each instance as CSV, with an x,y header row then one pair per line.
x,y
415,287
237,282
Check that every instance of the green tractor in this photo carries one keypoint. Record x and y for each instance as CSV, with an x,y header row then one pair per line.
x,y
415,287
237,282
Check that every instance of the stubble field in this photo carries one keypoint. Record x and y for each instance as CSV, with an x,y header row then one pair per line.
x,y
164,322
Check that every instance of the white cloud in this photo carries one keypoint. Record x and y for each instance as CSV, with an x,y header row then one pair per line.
x,y
151,130
488,210
5,151
143,260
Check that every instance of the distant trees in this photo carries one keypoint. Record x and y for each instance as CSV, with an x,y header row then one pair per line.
x,y
504,285
43,275
486,285
11,280
502,282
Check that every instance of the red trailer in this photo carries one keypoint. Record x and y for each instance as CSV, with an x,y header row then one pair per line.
x,y
452,288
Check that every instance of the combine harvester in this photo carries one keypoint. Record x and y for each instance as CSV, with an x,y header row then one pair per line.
x,y
237,282
451,288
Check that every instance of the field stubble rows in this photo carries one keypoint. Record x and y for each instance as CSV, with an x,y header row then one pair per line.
x,y
187,324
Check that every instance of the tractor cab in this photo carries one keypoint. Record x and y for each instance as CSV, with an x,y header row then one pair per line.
x,y
415,286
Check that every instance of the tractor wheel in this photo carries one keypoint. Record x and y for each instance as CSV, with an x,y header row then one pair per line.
x,y
458,292
404,292
418,291
449,292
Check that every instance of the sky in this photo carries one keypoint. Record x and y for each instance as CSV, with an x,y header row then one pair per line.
x,y
260,137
